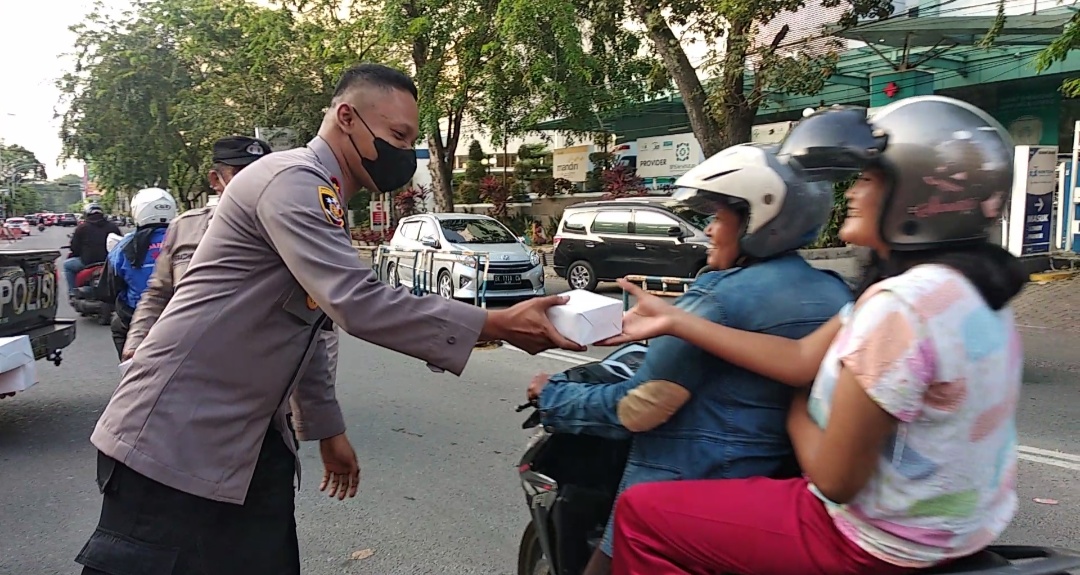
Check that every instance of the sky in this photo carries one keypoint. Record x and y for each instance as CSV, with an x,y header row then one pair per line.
x,y
32,46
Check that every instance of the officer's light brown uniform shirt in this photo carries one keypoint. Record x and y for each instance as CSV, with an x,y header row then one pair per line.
x,y
182,238
216,368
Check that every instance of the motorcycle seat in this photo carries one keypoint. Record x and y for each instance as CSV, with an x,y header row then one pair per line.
x,y
88,274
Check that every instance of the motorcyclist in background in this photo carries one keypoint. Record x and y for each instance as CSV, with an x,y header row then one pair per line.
x,y
131,262
88,243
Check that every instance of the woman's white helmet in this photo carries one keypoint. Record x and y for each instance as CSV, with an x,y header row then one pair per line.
x,y
152,206
785,210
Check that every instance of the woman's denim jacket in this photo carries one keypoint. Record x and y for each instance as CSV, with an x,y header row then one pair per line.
x,y
734,424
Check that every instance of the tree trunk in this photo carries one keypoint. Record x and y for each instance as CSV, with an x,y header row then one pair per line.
x,y
441,175
740,107
705,127
738,124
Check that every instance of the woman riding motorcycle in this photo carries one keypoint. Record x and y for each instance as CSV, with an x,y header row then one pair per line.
x,y
131,262
907,438
692,415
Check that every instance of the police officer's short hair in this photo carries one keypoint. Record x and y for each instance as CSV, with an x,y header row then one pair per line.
x,y
376,75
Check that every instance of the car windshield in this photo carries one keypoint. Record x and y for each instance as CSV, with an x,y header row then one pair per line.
x,y
476,231
696,219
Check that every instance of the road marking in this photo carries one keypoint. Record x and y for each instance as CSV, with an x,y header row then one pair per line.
x,y
1055,458
1033,454
558,355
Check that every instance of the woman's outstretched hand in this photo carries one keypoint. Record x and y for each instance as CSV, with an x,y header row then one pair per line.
x,y
650,317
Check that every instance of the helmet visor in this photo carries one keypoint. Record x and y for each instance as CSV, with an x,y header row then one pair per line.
x,y
833,145
708,203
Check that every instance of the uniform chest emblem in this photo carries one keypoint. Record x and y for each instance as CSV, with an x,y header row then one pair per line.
x,y
331,207
311,304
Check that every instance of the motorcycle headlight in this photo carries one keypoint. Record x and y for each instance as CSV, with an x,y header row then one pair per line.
x,y
534,257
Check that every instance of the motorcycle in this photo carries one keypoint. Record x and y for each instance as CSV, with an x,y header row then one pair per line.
x,y
570,482
41,227
85,300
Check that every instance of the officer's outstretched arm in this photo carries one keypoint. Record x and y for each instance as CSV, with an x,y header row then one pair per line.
x,y
302,218
159,290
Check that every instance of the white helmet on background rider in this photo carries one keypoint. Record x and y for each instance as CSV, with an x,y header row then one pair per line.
x,y
152,206
785,211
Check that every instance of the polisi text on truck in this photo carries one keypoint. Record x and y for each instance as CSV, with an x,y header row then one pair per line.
x,y
25,296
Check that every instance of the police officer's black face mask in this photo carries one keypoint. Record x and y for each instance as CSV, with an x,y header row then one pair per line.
x,y
393,168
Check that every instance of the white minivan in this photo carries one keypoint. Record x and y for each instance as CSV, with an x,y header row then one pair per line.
x,y
514,271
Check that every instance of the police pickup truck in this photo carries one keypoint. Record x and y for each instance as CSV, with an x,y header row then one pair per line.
x,y
29,282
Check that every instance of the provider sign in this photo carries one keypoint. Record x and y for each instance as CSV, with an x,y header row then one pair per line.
x,y
668,156
1032,200
572,163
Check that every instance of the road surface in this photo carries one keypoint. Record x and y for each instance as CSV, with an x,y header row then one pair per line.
x,y
439,492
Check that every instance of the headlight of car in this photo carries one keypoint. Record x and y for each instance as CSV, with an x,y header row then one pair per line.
x,y
467,261
534,257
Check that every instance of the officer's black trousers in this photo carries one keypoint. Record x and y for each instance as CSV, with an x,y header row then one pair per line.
x,y
147,528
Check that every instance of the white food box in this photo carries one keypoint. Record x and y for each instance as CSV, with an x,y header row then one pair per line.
x,y
588,317
17,369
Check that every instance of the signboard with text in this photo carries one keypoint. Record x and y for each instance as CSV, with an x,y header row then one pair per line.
x,y
1032,203
378,215
572,163
668,156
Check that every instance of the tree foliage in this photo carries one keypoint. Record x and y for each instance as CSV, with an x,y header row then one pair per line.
x,y
743,69
153,87
449,43
18,166
1056,51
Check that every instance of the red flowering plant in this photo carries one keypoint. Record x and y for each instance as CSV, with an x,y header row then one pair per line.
x,y
620,182
411,201
493,191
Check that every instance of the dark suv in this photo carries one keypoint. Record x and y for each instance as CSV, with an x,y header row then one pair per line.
x,y
607,240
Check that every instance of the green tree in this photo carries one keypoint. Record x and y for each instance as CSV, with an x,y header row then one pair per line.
x,y
121,101
153,87
1056,51
58,194
475,172
745,69
450,43
569,59
532,164
18,166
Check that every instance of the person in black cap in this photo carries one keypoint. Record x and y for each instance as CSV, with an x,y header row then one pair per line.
x,y
231,155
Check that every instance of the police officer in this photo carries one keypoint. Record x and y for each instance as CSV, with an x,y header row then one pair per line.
x,y
196,462
230,155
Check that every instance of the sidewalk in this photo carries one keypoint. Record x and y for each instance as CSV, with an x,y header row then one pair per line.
x,y
1053,305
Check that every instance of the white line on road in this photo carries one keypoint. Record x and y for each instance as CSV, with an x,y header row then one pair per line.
x,y
1033,454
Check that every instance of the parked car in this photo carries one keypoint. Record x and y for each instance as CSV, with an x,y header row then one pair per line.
x,y
67,220
606,240
514,270
20,224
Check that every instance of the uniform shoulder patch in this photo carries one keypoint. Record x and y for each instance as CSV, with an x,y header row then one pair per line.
x,y
331,207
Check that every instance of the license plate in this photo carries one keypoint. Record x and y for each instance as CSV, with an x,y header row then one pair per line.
x,y
508,279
